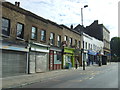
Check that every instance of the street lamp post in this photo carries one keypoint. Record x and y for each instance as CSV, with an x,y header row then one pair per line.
x,y
82,34
82,14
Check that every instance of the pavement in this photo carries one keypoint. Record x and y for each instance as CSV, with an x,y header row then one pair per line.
x,y
17,81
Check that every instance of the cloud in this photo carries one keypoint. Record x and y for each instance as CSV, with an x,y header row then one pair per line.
x,y
69,11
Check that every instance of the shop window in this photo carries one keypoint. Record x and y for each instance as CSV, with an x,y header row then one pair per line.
x,y
59,57
20,30
5,26
34,33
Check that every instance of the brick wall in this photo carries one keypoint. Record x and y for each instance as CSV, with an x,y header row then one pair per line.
x,y
16,14
71,34
14,17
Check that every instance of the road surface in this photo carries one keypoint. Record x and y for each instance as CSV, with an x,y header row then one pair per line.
x,y
105,76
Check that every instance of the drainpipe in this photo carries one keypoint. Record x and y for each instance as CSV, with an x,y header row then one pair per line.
x,y
83,62
62,56
28,60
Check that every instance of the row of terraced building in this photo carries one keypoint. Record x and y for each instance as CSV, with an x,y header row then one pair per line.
x,y
32,44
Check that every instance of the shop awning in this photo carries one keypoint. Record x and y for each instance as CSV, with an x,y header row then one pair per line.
x,y
100,54
91,52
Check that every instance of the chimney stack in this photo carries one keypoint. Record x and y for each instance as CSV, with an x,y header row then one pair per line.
x,y
96,21
17,4
71,27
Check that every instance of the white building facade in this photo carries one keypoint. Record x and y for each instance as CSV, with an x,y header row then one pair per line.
x,y
91,48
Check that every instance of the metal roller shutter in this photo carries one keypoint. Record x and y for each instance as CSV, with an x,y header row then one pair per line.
x,y
38,62
41,62
13,63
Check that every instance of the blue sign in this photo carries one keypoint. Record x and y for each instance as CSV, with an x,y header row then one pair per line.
x,y
91,52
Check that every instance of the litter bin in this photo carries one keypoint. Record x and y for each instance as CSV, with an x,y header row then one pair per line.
x,y
68,65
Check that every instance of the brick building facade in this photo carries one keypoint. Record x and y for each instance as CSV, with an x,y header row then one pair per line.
x,y
32,43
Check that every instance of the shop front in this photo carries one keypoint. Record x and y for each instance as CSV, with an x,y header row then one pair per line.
x,y
55,58
14,58
84,56
78,57
92,57
68,57
38,58
107,54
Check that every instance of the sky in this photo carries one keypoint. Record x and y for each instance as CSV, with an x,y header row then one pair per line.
x,y
68,12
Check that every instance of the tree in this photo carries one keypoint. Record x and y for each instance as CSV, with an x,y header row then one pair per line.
x,y
115,48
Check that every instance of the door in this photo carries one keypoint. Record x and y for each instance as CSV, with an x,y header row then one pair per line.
x,y
51,60
38,62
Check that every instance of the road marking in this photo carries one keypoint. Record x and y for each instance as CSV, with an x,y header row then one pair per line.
x,y
91,77
75,80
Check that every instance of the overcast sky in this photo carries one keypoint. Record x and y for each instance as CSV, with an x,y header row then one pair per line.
x,y
68,12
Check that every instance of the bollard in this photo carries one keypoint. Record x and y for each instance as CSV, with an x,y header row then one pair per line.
x,y
83,65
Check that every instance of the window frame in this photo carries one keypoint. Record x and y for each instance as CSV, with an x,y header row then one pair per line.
x,y
76,43
43,36
58,41
8,28
86,45
70,41
22,30
52,41
35,33
89,46
83,44
66,37
59,54
79,44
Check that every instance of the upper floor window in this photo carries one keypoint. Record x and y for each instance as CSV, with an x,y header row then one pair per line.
x,y
5,26
34,33
86,45
43,35
65,38
58,40
20,30
83,44
70,41
75,43
52,38
79,44
89,45
94,46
